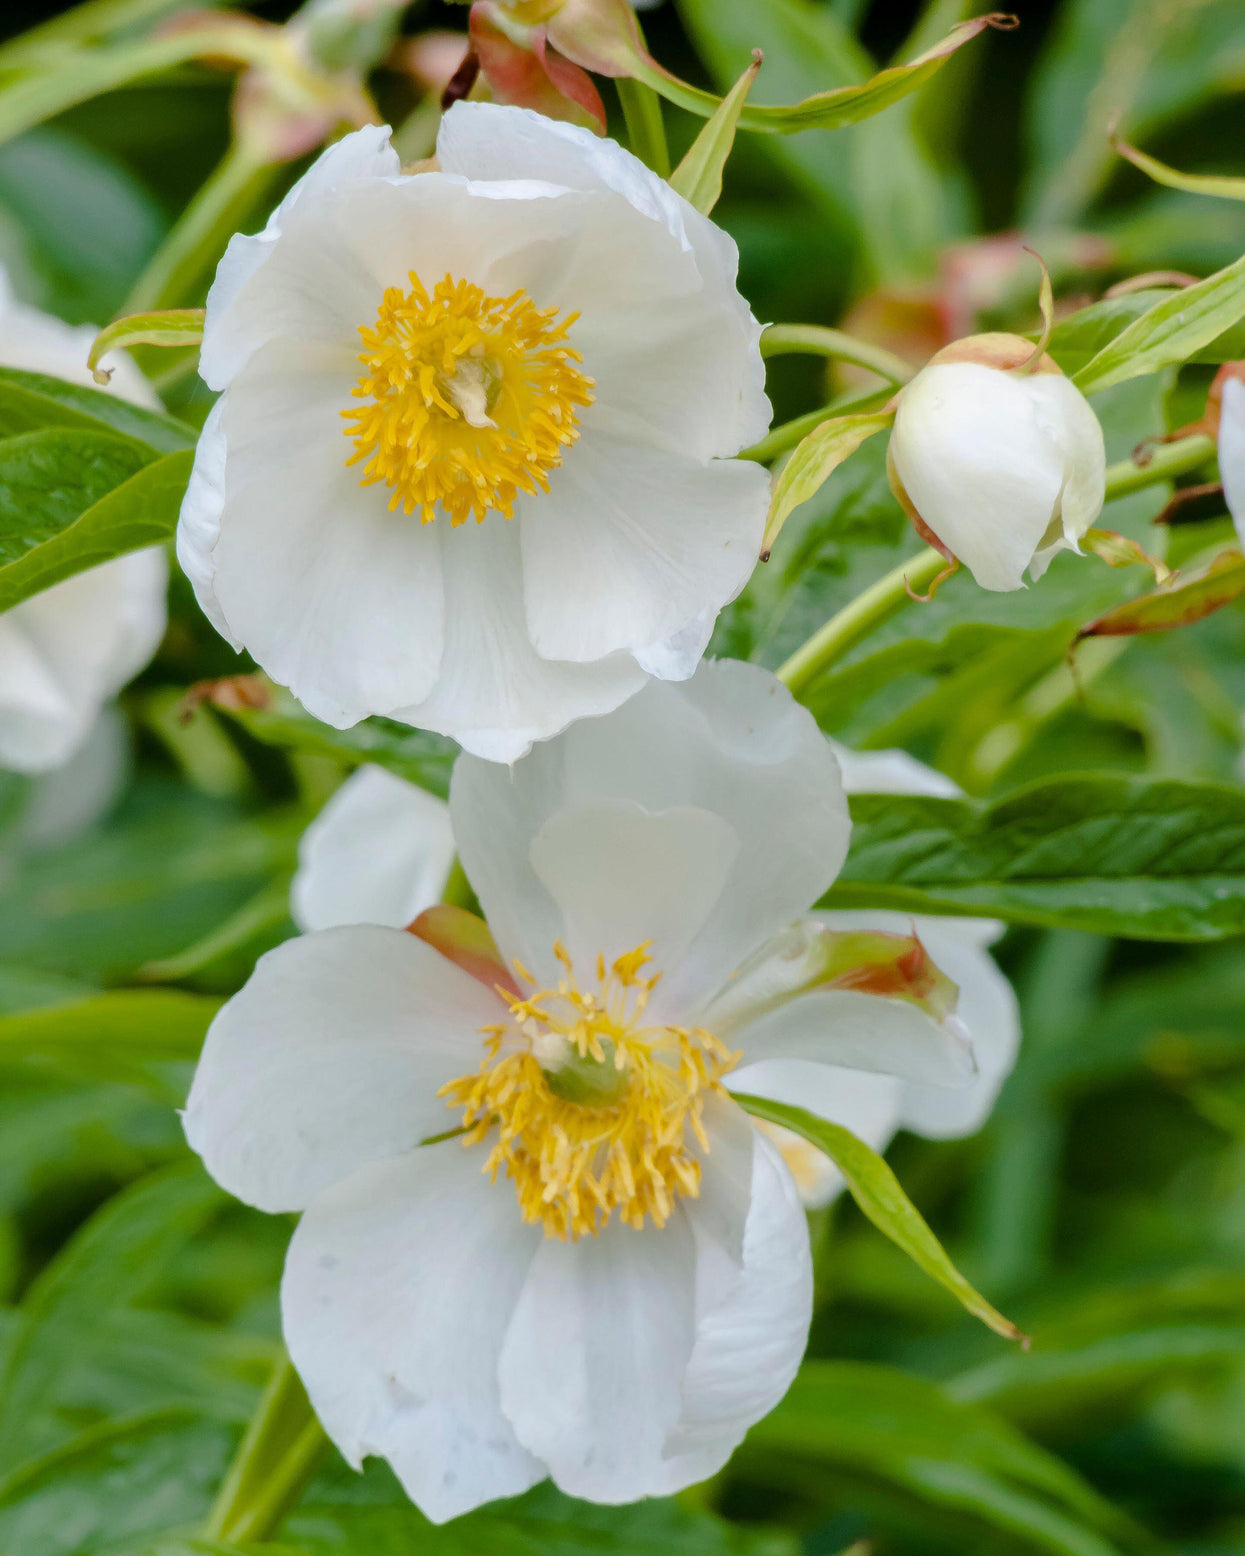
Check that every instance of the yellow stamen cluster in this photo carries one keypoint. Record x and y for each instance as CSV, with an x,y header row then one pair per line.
x,y
469,399
594,1112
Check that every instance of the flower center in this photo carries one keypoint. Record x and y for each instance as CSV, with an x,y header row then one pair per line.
x,y
594,1111
468,400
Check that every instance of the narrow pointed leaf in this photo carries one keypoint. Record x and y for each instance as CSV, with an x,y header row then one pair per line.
x,y
877,1191
1173,330
603,36
1225,188
813,463
698,178
1181,600
165,327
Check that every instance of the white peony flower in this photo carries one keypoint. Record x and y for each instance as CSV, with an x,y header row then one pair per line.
x,y
875,1107
998,467
471,467
379,852
607,1278
1232,450
66,652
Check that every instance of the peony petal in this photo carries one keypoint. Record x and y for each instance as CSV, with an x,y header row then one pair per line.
x,y
1232,451
892,772
65,652
331,1056
861,1032
1085,463
323,273
732,741
229,334
335,596
991,1014
591,1366
38,342
632,544
703,366
749,1345
620,876
495,695
982,463
378,853
198,523
398,1289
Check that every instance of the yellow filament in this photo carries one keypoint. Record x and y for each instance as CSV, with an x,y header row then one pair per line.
x,y
468,399
574,1164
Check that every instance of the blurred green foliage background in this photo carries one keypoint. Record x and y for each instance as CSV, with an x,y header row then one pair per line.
x,y
1104,1205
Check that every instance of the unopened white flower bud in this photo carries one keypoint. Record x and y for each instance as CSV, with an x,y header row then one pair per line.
x,y
999,464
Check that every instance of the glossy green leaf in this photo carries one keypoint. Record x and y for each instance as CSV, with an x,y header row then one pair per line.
x,y
1127,856
133,511
1174,329
877,1191
29,401
698,178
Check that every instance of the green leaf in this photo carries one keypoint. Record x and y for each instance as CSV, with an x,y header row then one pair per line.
x,y
162,327
839,106
169,868
102,1269
115,1487
877,1191
108,1033
1172,331
415,754
49,479
897,1447
1139,857
698,178
26,397
544,1522
813,462
136,511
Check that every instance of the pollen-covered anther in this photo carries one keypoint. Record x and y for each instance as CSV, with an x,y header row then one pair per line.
x,y
468,399
592,1112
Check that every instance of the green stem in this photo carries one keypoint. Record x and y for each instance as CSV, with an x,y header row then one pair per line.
x,y
233,189
891,593
646,130
83,24
856,621
88,72
274,1462
817,340
1166,460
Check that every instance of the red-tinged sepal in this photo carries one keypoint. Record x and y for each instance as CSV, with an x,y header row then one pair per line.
x,y
467,941
523,70
811,955
1183,599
